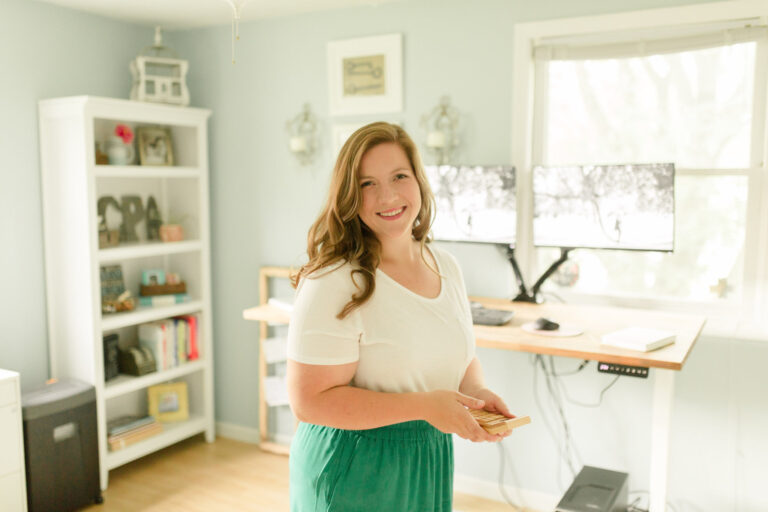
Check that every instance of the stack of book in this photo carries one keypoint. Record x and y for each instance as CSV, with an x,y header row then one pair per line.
x,y
172,341
163,300
126,430
159,288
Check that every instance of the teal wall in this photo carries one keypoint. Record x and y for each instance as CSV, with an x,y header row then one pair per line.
x,y
262,203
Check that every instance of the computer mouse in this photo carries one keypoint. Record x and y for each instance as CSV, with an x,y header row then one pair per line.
x,y
545,324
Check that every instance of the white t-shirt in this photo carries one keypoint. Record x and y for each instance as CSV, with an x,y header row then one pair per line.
x,y
401,341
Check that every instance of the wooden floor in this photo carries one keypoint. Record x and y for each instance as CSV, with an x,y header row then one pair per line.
x,y
194,476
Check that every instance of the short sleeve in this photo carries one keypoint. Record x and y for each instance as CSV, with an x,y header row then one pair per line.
x,y
315,334
453,271
457,273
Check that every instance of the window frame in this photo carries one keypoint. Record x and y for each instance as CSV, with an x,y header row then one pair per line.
x,y
744,318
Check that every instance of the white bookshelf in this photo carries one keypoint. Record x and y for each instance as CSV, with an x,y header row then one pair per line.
x,y
13,484
144,250
172,433
72,183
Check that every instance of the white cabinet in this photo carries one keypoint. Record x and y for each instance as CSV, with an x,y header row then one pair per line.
x,y
13,494
72,183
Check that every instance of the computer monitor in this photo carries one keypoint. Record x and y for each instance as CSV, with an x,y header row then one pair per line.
x,y
628,207
475,203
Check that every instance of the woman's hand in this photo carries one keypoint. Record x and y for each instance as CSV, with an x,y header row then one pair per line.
x,y
447,412
493,403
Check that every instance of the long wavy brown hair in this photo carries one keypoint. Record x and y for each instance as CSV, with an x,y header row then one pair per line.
x,y
338,234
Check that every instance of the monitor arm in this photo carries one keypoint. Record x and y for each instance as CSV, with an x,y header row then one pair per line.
x,y
533,296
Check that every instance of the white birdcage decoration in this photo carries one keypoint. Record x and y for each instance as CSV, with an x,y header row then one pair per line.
x,y
159,75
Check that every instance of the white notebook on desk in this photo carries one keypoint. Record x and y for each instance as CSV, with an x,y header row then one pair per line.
x,y
643,339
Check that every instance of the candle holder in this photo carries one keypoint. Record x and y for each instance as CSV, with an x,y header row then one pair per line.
x,y
441,128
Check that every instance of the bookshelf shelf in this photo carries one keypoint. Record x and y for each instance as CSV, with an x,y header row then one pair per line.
x,y
71,131
138,171
124,384
148,249
143,315
172,433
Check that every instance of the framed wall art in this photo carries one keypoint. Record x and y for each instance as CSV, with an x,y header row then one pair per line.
x,y
365,75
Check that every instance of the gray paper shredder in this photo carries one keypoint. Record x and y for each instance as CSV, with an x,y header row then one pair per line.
x,y
61,447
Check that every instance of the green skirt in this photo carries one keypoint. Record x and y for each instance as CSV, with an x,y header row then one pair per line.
x,y
406,467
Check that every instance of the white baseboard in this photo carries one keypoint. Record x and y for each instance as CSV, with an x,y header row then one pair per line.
x,y
523,498
238,432
246,434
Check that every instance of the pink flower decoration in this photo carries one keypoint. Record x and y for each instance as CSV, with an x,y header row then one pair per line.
x,y
124,132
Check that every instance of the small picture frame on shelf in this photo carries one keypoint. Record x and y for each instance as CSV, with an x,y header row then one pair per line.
x,y
155,145
153,277
168,402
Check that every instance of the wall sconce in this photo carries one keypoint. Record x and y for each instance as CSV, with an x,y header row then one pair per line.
x,y
441,126
302,132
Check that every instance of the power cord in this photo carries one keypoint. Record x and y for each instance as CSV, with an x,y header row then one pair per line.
x,y
566,446
581,366
582,404
633,507
502,489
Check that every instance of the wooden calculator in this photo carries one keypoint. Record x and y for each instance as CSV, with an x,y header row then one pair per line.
x,y
495,423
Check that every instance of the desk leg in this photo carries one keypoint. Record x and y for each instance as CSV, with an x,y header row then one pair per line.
x,y
663,393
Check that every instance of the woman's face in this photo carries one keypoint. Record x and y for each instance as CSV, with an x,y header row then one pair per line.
x,y
391,195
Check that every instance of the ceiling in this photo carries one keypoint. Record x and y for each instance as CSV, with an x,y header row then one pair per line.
x,y
179,14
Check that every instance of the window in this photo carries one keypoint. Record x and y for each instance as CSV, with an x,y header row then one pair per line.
x,y
684,98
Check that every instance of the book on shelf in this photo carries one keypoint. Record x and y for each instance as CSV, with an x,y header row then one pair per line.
x,y
120,441
173,341
643,339
164,300
192,337
180,354
155,336
127,423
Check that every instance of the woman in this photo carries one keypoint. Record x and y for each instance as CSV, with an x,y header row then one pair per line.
x,y
381,356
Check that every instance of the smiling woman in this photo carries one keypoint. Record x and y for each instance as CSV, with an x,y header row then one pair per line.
x,y
380,380
391,199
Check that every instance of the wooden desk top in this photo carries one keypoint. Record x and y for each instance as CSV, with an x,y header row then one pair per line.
x,y
267,313
593,320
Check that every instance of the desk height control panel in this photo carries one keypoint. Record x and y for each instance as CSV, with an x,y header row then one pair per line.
x,y
623,369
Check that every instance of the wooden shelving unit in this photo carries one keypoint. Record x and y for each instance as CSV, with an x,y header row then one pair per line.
x,y
267,314
72,183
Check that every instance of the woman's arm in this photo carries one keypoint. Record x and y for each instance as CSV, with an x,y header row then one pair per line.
x,y
473,384
473,380
321,394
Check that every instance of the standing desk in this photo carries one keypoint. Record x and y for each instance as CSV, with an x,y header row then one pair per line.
x,y
594,321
